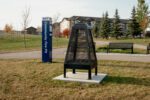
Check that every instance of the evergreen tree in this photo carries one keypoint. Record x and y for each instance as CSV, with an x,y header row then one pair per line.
x,y
102,26
133,26
117,31
142,14
96,30
105,26
108,26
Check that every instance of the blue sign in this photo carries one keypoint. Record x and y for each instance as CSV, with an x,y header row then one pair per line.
x,y
46,39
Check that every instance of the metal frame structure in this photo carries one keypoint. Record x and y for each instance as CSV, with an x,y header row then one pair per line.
x,y
81,50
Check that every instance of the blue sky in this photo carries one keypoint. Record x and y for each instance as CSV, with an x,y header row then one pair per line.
x,y
11,10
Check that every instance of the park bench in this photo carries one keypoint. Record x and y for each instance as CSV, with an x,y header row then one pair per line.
x,y
122,46
148,48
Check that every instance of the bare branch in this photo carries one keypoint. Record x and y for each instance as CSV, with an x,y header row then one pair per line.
x,y
25,23
25,17
56,17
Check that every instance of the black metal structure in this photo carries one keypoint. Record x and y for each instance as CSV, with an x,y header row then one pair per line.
x,y
81,50
148,48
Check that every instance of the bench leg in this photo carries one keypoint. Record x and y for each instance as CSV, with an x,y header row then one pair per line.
x,y
96,71
74,71
107,50
147,51
64,72
89,74
132,51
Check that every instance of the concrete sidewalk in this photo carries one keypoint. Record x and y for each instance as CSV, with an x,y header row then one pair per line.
x,y
124,57
60,53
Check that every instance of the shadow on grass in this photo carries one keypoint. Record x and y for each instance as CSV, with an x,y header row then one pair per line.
x,y
127,80
61,62
53,62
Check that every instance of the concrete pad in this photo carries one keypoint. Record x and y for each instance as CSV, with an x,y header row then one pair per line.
x,y
81,77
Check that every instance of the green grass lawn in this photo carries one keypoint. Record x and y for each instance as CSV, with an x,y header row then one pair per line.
x,y
143,41
10,43
32,80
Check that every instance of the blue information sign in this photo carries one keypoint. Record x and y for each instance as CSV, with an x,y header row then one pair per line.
x,y
46,39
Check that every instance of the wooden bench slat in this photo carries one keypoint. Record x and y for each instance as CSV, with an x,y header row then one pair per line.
x,y
120,46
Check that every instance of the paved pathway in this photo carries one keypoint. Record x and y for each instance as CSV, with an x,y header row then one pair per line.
x,y
124,57
60,53
57,53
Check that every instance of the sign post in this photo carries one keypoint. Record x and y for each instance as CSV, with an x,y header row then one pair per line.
x,y
47,39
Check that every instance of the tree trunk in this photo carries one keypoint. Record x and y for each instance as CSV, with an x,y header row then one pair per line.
x,y
25,39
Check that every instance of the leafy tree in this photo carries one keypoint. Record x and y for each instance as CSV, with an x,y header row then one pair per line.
x,y
66,32
8,28
105,26
133,26
117,30
142,14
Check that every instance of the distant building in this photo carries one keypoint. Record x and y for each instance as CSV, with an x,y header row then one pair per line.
x,y
17,31
84,19
148,31
67,23
32,30
2,32
39,30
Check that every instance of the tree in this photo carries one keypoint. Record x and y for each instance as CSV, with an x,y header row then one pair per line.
x,y
105,26
133,26
56,29
39,29
25,22
8,28
96,30
66,32
102,26
56,17
117,31
142,14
